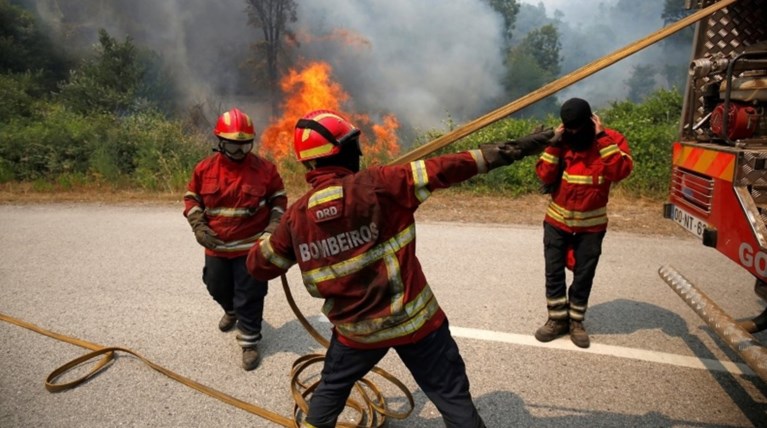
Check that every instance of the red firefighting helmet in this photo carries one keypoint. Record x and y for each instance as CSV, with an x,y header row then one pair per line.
x,y
321,134
235,125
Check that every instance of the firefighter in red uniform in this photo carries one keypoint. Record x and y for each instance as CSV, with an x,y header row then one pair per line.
x,y
578,171
353,237
233,199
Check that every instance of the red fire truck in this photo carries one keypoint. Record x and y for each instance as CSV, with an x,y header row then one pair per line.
x,y
718,189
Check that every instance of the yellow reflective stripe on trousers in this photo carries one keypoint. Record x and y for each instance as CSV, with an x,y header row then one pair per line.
x,y
420,180
326,195
577,218
412,317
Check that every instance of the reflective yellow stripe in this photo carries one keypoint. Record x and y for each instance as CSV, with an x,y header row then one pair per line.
x,y
356,263
609,150
582,179
268,252
194,209
547,157
326,195
396,285
413,316
480,160
556,301
190,194
558,314
421,180
577,218
238,245
581,308
316,151
234,212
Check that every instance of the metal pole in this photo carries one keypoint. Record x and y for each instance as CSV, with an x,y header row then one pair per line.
x,y
737,338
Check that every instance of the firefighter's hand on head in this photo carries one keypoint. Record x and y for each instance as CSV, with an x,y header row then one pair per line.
x,y
499,154
202,232
556,140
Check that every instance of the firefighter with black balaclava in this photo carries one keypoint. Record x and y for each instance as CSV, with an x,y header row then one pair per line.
x,y
234,199
578,171
353,237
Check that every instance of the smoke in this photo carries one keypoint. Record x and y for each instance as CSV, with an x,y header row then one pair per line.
x,y
591,29
427,62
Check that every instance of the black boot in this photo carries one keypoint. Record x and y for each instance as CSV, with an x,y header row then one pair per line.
x,y
227,321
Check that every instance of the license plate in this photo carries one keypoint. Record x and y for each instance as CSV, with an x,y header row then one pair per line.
x,y
688,221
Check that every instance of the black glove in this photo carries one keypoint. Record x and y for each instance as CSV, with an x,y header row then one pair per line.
x,y
499,154
534,143
202,232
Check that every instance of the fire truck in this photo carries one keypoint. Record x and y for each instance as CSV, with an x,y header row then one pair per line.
x,y
718,186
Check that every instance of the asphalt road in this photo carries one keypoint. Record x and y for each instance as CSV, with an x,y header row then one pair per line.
x,y
129,276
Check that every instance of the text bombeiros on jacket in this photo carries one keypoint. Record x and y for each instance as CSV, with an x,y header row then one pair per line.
x,y
343,241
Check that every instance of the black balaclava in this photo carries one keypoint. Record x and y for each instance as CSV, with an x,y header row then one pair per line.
x,y
576,116
348,158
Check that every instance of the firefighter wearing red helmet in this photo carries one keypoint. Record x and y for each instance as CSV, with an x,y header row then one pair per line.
x,y
233,199
353,237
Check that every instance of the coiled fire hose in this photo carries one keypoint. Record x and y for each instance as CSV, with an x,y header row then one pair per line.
x,y
371,408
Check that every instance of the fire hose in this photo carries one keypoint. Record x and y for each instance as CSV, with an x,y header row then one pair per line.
x,y
372,409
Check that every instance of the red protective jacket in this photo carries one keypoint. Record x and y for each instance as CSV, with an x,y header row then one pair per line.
x,y
580,202
238,199
353,237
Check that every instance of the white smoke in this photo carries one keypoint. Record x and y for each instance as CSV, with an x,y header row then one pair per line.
x,y
425,61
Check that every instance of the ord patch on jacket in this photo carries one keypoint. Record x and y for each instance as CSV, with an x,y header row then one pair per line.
x,y
327,204
328,211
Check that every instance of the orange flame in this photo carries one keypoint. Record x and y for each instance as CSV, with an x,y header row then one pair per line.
x,y
313,89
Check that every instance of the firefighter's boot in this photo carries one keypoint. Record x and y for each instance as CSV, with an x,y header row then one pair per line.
x,y
248,341
250,358
227,321
558,323
551,330
577,332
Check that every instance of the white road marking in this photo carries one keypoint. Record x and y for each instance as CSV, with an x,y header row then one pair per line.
x,y
615,351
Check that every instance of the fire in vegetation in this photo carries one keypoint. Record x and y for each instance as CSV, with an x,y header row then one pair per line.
x,y
312,88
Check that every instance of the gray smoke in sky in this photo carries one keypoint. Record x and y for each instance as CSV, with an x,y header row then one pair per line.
x,y
425,61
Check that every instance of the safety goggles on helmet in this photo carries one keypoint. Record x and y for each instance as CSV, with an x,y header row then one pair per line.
x,y
235,149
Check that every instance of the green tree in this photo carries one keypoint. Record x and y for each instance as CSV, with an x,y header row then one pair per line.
x,y
273,18
677,45
543,45
24,47
534,62
508,9
120,78
641,82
